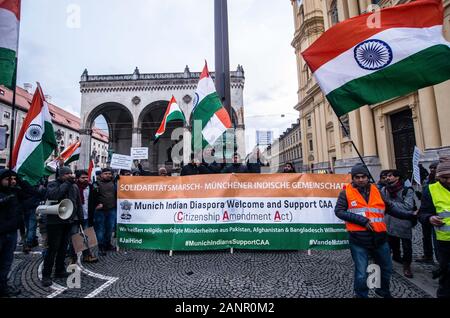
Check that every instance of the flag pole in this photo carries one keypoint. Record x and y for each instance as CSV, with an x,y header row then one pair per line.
x,y
13,117
354,146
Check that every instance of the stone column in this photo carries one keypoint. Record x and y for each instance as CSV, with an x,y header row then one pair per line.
x,y
323,128
355,131
136,138
429,116
85,151
353,9
342,14
368,133
442,95
317,137
337,137
326,18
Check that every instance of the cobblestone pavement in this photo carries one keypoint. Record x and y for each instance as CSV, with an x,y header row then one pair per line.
x,y
219,274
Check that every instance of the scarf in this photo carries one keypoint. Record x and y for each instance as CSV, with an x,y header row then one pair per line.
x,y
82,187
393,189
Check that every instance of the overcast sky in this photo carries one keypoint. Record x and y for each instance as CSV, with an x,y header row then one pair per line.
x,y
115,36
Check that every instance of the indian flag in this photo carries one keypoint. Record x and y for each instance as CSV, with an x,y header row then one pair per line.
x,y
357,64
9,40
209,111
36,141
68,155
173,112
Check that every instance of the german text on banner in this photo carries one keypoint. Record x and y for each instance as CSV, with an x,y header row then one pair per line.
x,y
271,212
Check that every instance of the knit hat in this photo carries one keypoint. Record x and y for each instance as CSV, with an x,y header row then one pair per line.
x,y
359,168
65,170
443,167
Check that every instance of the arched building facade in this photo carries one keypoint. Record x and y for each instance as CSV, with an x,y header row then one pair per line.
x,y
133,106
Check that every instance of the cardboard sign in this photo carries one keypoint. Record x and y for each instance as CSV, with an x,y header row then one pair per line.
x,y
139,153
85,240
121,162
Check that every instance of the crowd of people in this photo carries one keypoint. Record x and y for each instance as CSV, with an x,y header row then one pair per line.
x,y
379,218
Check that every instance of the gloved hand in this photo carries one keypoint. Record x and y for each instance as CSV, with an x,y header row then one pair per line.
x,y
7,198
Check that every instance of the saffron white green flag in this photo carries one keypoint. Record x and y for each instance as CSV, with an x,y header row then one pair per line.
x,y
173,112
36,141
70,154
356,64
209,111
9,37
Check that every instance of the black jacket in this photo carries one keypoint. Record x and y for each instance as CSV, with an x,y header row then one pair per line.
x,y
11,203
189,170
367,239
427,208
58,191
235,168
10,210
92,203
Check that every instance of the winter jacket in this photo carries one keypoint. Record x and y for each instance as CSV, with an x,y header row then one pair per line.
x,y
395,226
366,239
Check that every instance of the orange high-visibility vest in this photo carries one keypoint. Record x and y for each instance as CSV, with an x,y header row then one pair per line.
x,y
374,210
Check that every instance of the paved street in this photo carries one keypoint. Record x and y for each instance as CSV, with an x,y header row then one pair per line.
x,y
219,274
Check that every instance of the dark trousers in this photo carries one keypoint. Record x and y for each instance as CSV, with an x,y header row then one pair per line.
x,y
394,243
427,240
8,243
57,239
382,257
443,248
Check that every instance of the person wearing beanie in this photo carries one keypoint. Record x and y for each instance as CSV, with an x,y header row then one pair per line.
x,y
58,230
362,207
435,210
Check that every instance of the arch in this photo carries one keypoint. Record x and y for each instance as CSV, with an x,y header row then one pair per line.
x,y
149,121
104,109
119,121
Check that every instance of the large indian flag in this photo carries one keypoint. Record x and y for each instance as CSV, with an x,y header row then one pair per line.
x,y
173,112
208,110
9,37
356,63
35,142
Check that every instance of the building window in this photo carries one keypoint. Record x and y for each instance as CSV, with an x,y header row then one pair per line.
x,y
334,13
309,122
311,147
346,124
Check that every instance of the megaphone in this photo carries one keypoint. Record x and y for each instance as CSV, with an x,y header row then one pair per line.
x,y
64,209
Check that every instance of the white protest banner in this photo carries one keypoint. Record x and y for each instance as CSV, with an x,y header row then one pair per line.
x,y
416,170
270,211
121,162
140,153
